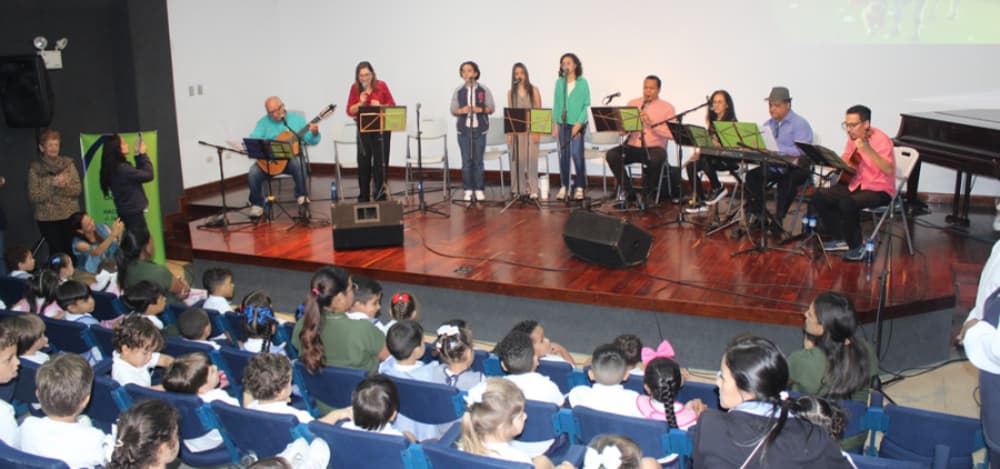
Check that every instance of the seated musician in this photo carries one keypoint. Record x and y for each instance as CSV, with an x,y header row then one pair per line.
x,y
652,141
870,152
787,128
272,126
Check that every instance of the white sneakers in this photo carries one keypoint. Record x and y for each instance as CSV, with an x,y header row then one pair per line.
x,y
561,195
578,194
480,196
255,211
467,196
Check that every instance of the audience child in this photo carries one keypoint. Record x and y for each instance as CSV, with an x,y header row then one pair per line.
x,y
367,300
9,433
195,325
147,437
219,283
137,343
194,373
607,370
77,301
326,337
662,382
616,452
375,405
106,279
19,261
453,348
40,296
544,348
405,341
63,388
495,416
259,324
147,299
29,330
631,347
62,265
518,360
402,306
268,384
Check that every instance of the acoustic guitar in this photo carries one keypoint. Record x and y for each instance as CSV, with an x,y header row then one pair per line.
x,y
276,167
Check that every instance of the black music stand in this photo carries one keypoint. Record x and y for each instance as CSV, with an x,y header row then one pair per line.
x,y
382,119
516,122
269,151
222,219
681,219
621,119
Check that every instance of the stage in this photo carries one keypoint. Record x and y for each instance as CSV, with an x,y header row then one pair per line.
x,y
520,253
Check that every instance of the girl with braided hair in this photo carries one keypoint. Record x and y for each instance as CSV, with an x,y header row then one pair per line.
x,y
326,336
662,381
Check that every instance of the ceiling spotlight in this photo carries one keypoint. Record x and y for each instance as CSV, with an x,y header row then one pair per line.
x,y
62,43
40,42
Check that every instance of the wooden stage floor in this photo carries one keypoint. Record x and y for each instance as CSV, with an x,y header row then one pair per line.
x,y
521,252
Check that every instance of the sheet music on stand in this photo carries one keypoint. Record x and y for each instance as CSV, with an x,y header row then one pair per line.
x,y
381,119
690,135
616,119
824,156
739,135
267,149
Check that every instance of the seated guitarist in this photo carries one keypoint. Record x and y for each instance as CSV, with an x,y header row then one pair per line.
x,y
271,126
870,152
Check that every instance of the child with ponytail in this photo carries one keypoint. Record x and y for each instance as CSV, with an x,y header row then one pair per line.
x,y
325,336
259,324
453,348
495,416
662,382
402,306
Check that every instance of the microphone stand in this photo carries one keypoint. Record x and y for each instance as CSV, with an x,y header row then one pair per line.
x,y
681,219
222,219
306,221
568,139
516,154
471,118
422,203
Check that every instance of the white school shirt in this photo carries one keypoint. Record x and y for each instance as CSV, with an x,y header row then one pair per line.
x,y
38,357
506,452
124,373
77,444
217,303
391,367
256,345
304,455
384,326
280,408
537,387
212,439
9,433
613,399
385,430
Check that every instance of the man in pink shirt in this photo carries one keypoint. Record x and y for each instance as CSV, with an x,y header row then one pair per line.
x,y
870,151
648,146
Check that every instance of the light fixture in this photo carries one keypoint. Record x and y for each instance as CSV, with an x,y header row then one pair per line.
x,y
52,58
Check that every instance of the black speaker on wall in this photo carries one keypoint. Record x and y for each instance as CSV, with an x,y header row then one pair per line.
x,y
25,92
604,240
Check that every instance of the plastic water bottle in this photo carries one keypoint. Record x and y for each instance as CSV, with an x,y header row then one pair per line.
x,y
333,191
869,252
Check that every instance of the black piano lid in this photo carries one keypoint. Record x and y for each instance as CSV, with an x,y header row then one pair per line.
x,y
983,118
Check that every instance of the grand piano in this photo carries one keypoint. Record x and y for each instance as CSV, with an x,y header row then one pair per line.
x,y
967,141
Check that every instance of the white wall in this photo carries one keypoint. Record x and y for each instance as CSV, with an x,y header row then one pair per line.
x,y
416,47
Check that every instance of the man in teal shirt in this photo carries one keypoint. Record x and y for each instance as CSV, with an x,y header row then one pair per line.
x,y
270,127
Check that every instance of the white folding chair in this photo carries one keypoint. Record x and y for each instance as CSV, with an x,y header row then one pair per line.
x,y
433,131
346,134
596,146
496,147
906,159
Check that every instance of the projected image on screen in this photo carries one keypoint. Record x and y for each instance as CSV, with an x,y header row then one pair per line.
x,y
891,21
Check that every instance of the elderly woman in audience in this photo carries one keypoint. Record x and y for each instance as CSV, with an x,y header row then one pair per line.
x,y
763,427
